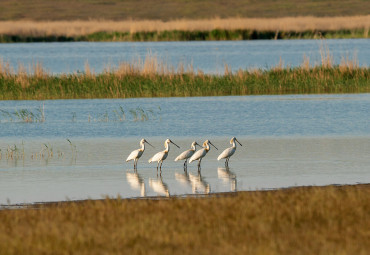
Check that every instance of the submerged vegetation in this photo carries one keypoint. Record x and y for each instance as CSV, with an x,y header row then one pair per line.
x,y
154,78
306,220
23,115
120,115
46,151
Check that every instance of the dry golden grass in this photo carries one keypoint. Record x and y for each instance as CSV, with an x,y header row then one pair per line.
x,y
310,220
83,27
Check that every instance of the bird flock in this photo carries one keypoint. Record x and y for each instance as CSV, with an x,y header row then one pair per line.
x,y
191,154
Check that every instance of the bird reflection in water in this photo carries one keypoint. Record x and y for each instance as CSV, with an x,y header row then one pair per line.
x,y
198,184
183,178
159,186
136,182
227,177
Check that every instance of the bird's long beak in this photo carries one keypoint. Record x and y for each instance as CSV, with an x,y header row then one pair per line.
x,y
149,144
213,145
175,144
238,142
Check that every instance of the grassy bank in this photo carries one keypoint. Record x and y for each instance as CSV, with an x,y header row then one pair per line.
x,y
311,220
155,79
180,35
186,30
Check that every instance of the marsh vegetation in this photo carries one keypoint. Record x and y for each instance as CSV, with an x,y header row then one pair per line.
x,y
153,77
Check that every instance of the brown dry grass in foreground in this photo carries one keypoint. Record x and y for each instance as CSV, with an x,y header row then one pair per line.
x,y
80,27
309,220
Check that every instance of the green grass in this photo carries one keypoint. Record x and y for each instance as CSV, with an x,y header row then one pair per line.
x,y
175,9
307,220
337,79
177,35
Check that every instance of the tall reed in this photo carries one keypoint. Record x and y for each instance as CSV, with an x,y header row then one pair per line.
x,y
153,77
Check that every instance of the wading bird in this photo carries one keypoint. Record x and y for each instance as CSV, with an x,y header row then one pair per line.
x,y
187,154
162,155
202,152
136,154
227,153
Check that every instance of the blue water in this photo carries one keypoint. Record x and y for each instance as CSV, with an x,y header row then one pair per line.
x,y
252,116
289,140
210,57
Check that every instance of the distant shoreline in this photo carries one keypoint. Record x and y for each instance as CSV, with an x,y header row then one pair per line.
x,y
185,29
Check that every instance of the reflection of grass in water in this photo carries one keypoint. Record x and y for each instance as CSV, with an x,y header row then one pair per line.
x,y
119,115
307,220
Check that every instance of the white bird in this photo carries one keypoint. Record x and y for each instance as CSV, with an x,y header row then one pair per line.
x,y
162,155
136,154
227,153
187,154
201,153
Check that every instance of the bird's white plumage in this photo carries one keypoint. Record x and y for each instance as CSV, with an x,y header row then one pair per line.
x,y
185,155
198,155
135,154
162,155
202,152
188,153
227,153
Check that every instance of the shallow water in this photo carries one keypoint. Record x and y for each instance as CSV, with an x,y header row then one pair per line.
x,y
210,56
287,141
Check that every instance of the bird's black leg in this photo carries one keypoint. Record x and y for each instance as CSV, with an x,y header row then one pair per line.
x,y
199,165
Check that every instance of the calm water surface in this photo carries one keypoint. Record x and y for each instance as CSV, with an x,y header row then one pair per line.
x,y
210,56
287,141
